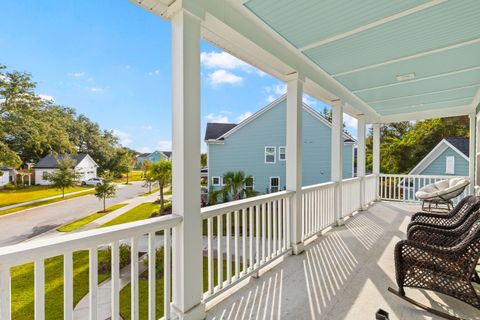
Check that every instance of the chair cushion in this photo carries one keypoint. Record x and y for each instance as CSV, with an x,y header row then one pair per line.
x,y
443,187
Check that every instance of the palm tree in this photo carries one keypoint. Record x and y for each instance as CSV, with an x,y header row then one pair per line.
x,y
235,183
106,189
162,173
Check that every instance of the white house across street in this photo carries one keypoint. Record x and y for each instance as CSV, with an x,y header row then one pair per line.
x,y
85,166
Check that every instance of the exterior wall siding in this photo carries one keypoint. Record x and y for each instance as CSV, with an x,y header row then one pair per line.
x,y
437,167
245,150
5,178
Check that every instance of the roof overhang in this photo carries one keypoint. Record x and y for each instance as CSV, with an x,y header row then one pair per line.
x,y
428,87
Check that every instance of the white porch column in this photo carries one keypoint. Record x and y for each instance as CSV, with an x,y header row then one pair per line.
x,y
294,158
187,238
337,157
472,156
376,155
361,159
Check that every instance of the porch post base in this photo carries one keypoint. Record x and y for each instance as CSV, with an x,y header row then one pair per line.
x,y
340,222
298,248
195,313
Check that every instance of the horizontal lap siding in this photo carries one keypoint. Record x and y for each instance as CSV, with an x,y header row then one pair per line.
x,y
437,167
245,149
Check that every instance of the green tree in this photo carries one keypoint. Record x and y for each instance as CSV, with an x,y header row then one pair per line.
x,y
203,160
124,162
105,190
235,184
148,179
66,176
161,172
145,166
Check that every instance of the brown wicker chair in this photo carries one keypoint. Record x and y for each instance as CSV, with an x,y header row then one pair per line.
x,y
451,220
447,267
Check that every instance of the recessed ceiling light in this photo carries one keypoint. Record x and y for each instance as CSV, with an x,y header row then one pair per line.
x,y
405,77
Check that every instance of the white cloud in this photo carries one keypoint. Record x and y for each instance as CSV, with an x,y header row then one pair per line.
x,y
148,128
270,98
154,73
124,137
218,118
244,116
96,89
224,60
46,97
309,100
145,150
165,145
78,74
224,77
349,121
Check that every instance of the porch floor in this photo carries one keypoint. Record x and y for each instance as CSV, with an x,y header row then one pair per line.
x,y
343,274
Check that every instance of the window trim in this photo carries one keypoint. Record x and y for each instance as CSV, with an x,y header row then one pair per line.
x,y
274,155
284,153
220,182
252,186
453,165
270,183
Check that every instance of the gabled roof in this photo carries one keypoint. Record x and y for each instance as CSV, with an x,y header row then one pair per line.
x,y
50,161
219,131
168,154
461,143
457,146
143,155
5,168
216,130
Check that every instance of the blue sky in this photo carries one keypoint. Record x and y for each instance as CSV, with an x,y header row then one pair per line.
x,y
111,61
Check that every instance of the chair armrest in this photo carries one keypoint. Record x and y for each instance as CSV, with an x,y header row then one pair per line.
x,y
434,236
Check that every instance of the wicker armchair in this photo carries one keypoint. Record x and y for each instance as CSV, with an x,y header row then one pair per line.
x,y
447,267
451,220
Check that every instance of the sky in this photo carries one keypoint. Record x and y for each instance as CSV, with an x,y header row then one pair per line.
x,y
111,61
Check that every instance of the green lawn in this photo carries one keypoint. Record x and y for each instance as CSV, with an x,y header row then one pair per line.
x,y
140,212
10,197
125,297
23,287
86,220
42,203
136,175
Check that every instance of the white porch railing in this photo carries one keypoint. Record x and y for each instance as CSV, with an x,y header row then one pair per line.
x,y
318,208
402,187
250,233
370,182
351,196
38,250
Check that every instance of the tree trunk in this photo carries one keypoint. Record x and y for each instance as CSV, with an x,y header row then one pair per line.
x,y
104,206
161,199
127,177
63,192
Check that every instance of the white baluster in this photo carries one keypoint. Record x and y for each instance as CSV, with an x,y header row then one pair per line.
x,y
67,286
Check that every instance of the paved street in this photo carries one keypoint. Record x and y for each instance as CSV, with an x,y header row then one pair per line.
x,y
24,225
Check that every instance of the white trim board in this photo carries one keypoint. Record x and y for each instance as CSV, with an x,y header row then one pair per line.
x,y
434,154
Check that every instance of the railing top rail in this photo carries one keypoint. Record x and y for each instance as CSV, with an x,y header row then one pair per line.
x,y
351,180
419,176
319,186
49,247
371,175
215,210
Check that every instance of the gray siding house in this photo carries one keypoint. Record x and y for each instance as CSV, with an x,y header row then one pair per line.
x,y
257,147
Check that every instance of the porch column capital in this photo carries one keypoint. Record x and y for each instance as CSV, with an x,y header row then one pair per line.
x,y
193,8
295,76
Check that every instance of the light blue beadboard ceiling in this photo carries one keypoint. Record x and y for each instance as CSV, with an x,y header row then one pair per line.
x,y
438,42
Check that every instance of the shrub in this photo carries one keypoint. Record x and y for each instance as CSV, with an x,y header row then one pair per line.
x,y
158,263
125,259
9,186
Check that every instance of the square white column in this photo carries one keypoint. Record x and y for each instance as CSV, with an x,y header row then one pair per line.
x,y
361,159
472,152
376,155
294,158
187,238
337,156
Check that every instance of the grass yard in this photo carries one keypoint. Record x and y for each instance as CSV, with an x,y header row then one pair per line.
x,y
86,220
42,203
125,296
23,286
10,197
136,175
140,212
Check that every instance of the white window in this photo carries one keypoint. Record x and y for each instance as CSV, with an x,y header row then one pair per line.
x,y
450,165
270,153
250,184
274,184
44,175
282,154
216,181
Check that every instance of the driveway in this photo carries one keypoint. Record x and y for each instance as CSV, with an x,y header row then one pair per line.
x,y
27,224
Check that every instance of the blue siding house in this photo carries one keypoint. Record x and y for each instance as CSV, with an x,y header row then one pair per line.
x,y
155,156
449,157
257,147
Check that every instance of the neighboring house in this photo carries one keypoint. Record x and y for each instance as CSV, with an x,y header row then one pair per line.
x,y
257,147
6,175
153,157
449,157
85,166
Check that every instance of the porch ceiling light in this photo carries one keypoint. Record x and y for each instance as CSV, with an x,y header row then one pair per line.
x,y
405,77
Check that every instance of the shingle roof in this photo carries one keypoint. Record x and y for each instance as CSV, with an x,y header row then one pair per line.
x,y
50,161
216,130
461,143
167,153
143,155
5,168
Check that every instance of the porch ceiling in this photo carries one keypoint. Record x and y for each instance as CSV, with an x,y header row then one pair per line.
x,y
366,45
